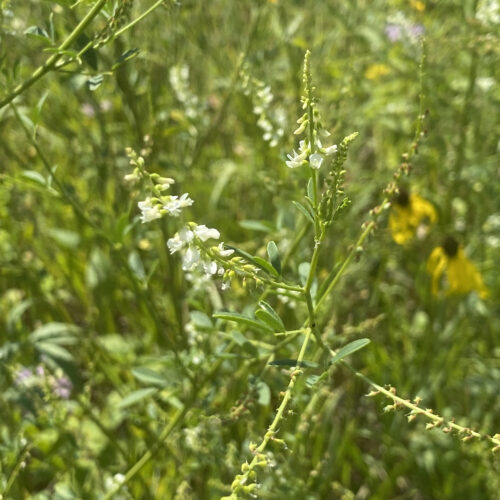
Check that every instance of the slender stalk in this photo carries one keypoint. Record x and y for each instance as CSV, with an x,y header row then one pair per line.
x,y
437,421
50,63
138,19
335,276
17,468
248,469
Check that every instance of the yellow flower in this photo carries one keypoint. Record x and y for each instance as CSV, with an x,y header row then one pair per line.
x,y
375,71
417,5
408,213
461,274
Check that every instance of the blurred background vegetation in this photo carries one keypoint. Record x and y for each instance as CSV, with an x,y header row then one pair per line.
x,y
103,341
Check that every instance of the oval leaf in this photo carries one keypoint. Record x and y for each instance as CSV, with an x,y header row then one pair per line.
x,y
54,351
270,320
266,266
274,256
275,315
94,82
243,320
149,376
257,225
264,394
51,331
249,258
303,210
136,396
292,363
349,349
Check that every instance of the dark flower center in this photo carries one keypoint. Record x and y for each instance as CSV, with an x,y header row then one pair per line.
x,y
403,198
450,246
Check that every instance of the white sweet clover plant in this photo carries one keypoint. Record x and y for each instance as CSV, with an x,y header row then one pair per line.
x,y
201,260
270,119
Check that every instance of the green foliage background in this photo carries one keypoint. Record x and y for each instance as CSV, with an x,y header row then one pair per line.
x,y
129,318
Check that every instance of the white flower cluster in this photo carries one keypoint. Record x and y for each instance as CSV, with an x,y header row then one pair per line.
x,y
315,160
158,205
262,97
488,12
179,80
189,240
155,208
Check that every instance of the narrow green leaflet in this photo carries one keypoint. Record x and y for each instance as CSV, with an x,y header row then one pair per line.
x,y
54,351
243,320
266,318
149,376
274,256
265,305
348,349
264,394
265,265
257,225
126,56
50,332
249,258
291,363
136,396
94,82
304,211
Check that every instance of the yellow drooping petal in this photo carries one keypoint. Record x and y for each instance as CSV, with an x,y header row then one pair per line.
x,y
461,274
436,265
401,230
422,208
464,277
404,220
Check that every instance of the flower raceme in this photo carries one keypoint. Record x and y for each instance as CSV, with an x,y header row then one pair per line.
x,y
195,257
155,208
159,204
461,274
409,213
315,160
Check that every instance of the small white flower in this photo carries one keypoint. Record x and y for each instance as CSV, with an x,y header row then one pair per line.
x,y
315,160
132,178
204,233
297,160
164,183
190,259
174,204
174,244
330,150
119,478
180,240
210,267
149,211
224,252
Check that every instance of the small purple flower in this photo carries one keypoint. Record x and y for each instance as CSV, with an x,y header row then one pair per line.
x,y
417,30
393,32
40,371
62,387
88,110
22,376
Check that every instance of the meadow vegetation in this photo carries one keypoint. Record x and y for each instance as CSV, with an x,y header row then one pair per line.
x,y
250,249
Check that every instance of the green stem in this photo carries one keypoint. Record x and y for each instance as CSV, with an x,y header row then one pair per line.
x,y
437,420
335,276
241,480
138,19
50,63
